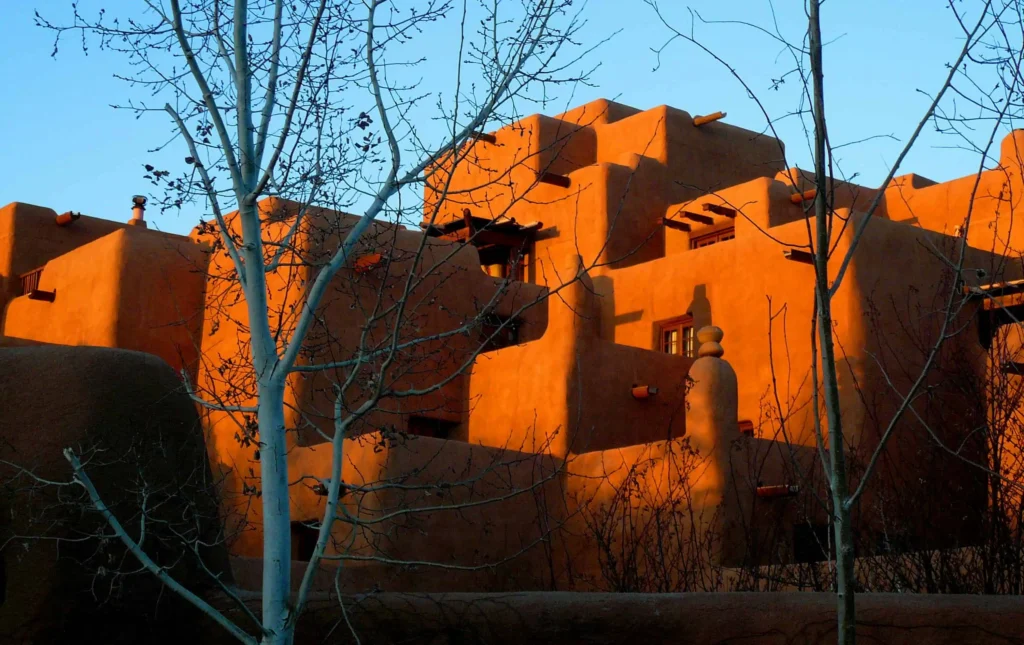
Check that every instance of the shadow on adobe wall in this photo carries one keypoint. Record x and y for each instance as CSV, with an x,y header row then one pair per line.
x,y
63,576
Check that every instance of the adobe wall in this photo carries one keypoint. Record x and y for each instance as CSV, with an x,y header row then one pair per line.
x,y
991,197
624,167
493,517
901,321
680,619
132,289
721,286
30,236
447,293
571,391
128,405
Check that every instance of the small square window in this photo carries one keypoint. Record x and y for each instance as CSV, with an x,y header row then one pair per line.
x,y
678,337
811,542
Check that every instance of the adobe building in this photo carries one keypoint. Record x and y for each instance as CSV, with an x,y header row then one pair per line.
x,y
586,252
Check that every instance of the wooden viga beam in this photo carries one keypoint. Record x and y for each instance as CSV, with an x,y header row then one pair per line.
x,y
806,196
718,209
484,136
672,223
708,118
561,181
696,217
796,255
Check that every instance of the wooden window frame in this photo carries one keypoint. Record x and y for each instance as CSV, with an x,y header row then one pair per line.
x,y
513,260
680,324
714,237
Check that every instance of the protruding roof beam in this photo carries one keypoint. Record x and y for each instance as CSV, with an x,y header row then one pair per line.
x,y
561,181
806,196
700,219
709,118
718,209
672,223
796,255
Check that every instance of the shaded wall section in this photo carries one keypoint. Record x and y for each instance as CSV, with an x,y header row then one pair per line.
x,y
124,413
680,619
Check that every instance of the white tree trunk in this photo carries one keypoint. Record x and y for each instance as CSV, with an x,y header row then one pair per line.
x,y
277,621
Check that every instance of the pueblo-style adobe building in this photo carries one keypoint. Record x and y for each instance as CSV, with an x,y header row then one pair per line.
x,y
637,280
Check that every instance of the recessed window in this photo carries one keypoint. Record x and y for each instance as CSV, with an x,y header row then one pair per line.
x,y
713,238
504,262
430,427
678,337
304,539
811,542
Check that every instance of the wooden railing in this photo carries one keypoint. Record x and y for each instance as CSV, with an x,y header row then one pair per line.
x,y
30,281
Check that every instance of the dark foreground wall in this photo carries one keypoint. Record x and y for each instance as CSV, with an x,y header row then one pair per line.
x,y
747,618
62,578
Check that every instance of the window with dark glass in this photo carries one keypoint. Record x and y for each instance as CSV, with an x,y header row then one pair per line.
x,y
304,537
810,542
430,427
723,235
677,336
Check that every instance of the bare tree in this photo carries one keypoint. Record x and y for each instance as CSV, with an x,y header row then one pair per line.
x,y
318,103
991,30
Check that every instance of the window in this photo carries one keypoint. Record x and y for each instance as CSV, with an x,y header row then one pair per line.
x,y
811,542
430,427
504,262
304,539
677,336
713,238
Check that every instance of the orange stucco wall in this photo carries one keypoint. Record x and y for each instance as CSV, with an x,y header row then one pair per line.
x,y
29,237
564,391
131,288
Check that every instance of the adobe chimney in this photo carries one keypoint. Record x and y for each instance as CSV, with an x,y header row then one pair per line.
x,y
138,208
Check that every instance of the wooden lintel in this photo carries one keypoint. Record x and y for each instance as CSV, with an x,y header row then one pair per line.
x,y
485,238
718,209
1003,302
799,256
674,224
555,180
700,219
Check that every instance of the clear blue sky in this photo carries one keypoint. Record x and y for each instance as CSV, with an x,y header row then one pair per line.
x,y
66,148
